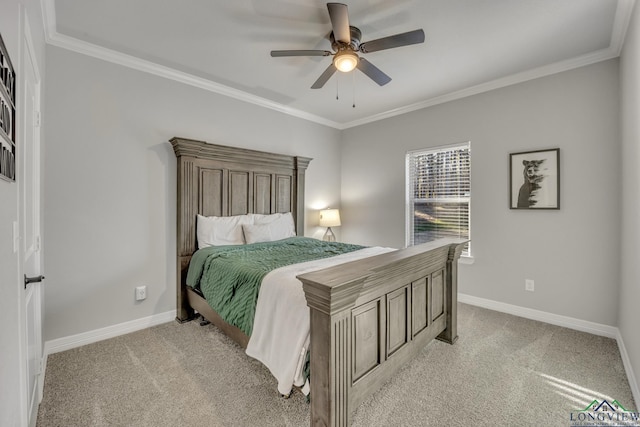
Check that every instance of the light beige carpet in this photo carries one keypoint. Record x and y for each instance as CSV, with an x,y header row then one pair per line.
x,y
503,371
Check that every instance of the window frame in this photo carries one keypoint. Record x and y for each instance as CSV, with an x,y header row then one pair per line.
x,y
410,185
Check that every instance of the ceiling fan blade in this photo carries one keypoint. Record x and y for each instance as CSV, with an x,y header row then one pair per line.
x,y
279,53
404,39
340,22
326,75
373,72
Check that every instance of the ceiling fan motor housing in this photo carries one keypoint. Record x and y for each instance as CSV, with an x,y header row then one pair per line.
x,y
356,34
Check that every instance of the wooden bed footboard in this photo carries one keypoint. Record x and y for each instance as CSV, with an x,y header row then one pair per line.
x,y
369,317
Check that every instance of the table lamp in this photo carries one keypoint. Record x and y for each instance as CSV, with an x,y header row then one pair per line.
x,y
329,218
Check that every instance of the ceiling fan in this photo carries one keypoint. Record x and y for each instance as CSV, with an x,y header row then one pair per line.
x,y
345,41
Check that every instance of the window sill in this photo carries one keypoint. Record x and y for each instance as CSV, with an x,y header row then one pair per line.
x,y
466,260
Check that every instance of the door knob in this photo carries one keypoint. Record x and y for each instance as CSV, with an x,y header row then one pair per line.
x,y
35,279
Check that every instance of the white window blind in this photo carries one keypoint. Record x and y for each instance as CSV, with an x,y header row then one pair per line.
x,y
439,194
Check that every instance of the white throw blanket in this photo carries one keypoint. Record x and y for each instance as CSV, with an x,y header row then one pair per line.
x,y
280,336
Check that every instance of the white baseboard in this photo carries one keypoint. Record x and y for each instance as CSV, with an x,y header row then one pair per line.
x,y
633,381
542,316
73,341
567,322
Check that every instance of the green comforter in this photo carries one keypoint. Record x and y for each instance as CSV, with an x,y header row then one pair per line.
x,y
230,276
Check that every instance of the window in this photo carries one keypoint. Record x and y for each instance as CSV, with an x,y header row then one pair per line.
x,y
439,194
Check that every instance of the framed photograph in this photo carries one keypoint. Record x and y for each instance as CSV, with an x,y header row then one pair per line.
x,y
534,179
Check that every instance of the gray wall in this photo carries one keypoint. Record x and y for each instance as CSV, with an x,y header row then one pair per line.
x,y
629,315
12,393
572,253
110,192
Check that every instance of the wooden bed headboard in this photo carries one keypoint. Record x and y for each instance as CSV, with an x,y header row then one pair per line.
x,y
217,180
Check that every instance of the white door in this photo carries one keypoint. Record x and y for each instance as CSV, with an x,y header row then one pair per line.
x,y
28,156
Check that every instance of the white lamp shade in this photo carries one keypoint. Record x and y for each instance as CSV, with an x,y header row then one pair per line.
x,y
329,218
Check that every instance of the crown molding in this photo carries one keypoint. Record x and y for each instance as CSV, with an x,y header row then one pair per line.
x,y
149,67
52,37
48,18
621,24
547,70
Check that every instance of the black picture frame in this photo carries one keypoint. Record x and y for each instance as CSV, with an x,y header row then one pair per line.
x,y
7,116
534,179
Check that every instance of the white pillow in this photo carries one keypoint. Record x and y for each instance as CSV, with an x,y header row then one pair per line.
x,y
281,224
257,233
221,230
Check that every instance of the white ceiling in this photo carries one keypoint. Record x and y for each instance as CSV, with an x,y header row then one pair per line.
x,y
224,46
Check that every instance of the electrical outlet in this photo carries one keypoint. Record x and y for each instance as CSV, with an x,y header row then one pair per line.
x,y
141,293
529,285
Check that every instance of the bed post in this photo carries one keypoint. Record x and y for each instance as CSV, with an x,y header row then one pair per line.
x,y
301,164
330,310
185,230
450,335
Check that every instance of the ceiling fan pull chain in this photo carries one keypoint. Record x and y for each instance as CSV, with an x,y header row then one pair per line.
x,y
337,87
354,89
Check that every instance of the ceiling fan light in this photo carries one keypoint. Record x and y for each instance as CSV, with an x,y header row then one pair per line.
x,y
345,61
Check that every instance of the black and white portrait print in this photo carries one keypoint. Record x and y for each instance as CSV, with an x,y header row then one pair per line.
x,y
535,180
